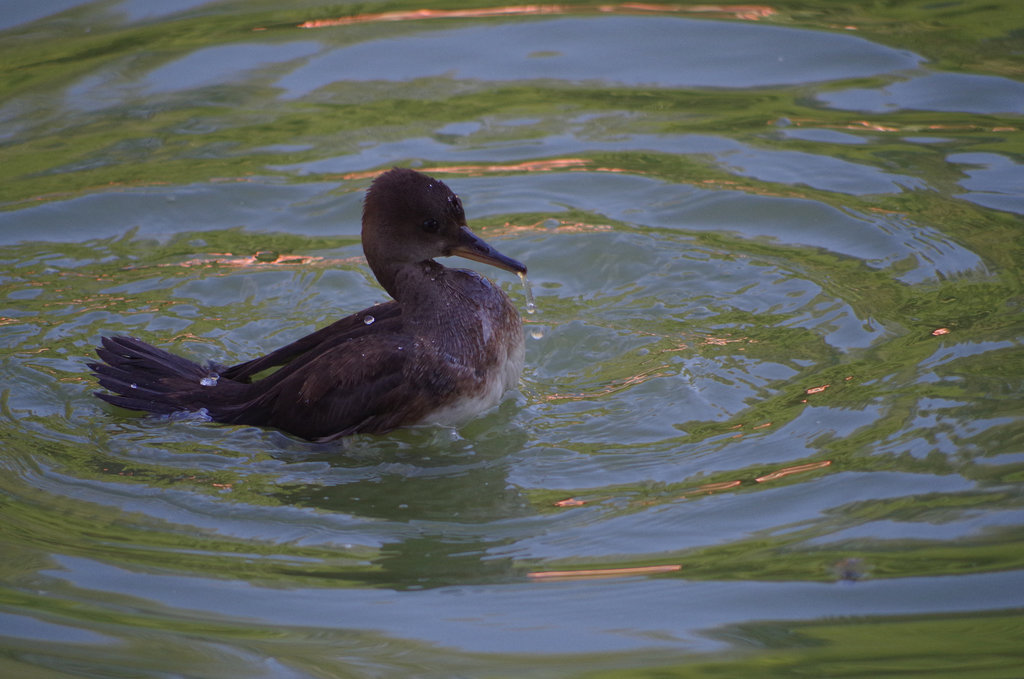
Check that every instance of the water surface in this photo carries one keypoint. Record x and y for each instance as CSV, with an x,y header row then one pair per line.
x,y
776,254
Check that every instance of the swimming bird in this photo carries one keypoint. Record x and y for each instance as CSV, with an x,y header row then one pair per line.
x,y
446,347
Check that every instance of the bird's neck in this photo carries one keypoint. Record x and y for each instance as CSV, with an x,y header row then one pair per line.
x,y
412,284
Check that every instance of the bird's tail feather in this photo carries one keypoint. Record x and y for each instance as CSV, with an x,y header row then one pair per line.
x,y
143,377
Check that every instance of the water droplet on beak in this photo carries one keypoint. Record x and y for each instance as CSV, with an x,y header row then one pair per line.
x,y
530,306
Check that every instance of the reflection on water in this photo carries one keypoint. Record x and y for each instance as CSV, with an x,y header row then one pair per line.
x,y
948,92
772,397
635,51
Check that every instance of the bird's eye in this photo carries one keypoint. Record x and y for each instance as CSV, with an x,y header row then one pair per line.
x,y
430,225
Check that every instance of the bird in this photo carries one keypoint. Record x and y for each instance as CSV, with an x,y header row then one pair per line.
x,y
446,347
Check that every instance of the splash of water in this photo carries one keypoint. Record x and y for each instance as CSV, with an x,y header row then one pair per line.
x,y
530,306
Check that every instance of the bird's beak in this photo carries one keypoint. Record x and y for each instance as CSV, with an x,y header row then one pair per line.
x,y
473,247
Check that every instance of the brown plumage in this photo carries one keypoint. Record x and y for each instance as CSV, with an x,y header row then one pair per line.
x,y
448,345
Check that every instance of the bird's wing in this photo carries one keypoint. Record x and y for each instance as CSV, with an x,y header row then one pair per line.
x,y
382,317
368,384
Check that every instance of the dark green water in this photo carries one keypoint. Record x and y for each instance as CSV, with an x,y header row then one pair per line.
x,y
777,255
